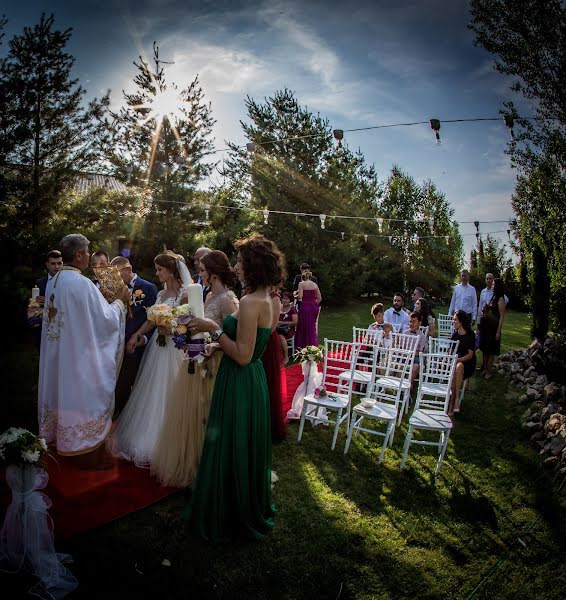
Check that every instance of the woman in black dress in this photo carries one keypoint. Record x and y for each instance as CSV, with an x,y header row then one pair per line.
x,y
490,327
466,363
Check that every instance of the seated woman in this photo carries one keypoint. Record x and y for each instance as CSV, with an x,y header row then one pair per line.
x,y
288,318
466,363
421,305
310,299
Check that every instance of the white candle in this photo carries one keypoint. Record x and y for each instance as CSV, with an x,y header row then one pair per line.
x,y
34,292
194,292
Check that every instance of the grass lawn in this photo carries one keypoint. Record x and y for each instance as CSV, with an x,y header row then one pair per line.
x,y
348,528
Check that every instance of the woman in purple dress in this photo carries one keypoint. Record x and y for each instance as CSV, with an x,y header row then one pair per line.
x,y
310,298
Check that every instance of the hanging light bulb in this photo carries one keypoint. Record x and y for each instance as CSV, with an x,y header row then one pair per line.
x,y
251,147
338,136
265,216
322,218
390,238
379,223
435,126
509,234
477,225
342,234
447,239
431,225
509,123
206,210
366,237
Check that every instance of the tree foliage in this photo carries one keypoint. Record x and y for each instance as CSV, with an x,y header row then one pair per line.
x,y
309,175
47,132
529,44
161,137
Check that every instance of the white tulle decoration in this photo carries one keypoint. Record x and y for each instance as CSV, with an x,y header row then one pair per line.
x,y
26,538
312,379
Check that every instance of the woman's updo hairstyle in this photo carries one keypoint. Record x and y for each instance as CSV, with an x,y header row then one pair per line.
x,y
217,263
262,262
306,275
168,259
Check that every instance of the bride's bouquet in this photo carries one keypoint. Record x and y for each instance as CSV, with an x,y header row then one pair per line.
x,y
172,321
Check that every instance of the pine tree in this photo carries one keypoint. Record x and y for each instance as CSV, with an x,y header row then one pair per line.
x,y
161,138
47,132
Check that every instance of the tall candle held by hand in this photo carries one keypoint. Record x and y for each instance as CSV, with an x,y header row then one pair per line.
x,y
194,292
34,292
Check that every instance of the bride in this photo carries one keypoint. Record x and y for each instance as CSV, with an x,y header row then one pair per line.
x,y
161,376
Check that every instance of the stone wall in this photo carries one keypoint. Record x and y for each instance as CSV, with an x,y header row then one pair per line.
x,y
540,371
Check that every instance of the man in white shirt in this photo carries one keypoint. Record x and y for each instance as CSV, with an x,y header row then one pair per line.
x,y
487,294
396,315
464,297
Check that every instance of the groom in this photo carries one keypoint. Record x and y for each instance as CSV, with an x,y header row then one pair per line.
x,y
144,295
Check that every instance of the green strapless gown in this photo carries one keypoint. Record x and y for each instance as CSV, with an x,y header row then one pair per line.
x,y
232,491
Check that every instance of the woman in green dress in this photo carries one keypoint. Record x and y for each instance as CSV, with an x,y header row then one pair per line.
x,y
232,491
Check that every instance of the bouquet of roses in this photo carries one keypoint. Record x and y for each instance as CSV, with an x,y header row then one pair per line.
x,y
172,321
20,446
312,353
35,313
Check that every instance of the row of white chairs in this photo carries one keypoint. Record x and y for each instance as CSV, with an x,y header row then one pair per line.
x,y
384,374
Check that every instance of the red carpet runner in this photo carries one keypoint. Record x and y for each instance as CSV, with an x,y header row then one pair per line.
x,y
84,499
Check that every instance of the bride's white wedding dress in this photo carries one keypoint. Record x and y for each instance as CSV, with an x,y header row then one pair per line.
x,y
161,376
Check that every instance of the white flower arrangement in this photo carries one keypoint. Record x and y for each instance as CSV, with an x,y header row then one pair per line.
x,y
312,353
20,446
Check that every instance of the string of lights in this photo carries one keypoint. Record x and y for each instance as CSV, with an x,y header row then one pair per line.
x,y
338,134
380,221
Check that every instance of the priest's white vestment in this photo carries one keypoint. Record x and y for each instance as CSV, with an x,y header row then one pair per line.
x,y
82,343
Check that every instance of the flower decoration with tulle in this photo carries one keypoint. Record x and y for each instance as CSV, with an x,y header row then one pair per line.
x,y
19,446
309,353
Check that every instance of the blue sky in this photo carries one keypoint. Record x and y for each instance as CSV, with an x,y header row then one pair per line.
x,y
359,64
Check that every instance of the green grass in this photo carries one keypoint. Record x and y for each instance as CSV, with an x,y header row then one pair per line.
x,y
348,528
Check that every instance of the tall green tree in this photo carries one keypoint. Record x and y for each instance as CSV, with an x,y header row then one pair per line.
x,y
528,38
162,137
422,234
48,133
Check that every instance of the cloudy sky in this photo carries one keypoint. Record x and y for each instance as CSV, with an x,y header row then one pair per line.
x,y
358,63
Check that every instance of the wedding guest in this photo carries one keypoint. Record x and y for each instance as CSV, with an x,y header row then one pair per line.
x,y
485,298
272,360
491,325
422,307
387,338
232,492
415,321
99,259
200,253
298,278
310,299
286,327
396,315
53,264
378,318
179,446
81,345
143,295
161,375
464,297
466,362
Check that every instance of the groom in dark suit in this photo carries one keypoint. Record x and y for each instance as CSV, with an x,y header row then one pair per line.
x,y
144,294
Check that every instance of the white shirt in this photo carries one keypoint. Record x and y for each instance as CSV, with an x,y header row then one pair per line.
x,y
400,319
133,281
464,298
485,298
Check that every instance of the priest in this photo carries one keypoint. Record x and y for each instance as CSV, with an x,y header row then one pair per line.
x,y
82,343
